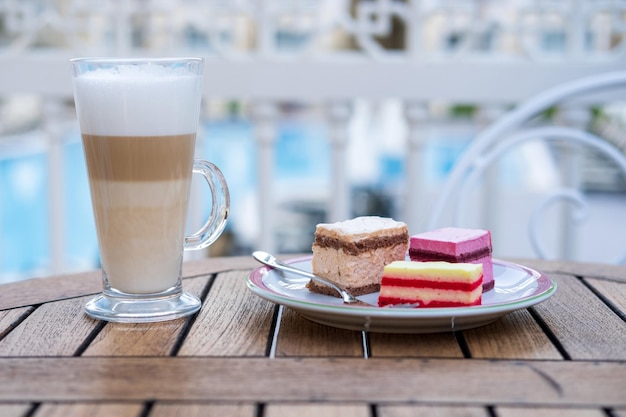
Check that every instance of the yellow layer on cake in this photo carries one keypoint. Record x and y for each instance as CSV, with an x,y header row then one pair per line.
x,y
434,271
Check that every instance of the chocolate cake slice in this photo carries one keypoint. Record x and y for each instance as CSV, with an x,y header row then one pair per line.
x,y
354,252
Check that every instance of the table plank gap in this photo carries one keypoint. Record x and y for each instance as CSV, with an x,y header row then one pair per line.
x,y
460,339
90,338
301,337
182,335
272,339
613,294
10,319
143,339
619,412
432,411
514,336
191,409
567,315
549,333
15,409
232,321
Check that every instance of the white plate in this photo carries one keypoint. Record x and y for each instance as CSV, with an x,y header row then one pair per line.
x,y
516,287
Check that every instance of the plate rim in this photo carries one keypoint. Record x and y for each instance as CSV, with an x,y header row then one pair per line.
x,y
401,313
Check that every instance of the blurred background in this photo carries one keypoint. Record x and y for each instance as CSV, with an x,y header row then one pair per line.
x,y
317,110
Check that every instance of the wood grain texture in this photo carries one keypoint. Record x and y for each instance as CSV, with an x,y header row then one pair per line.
x,y
544,383
315,410
143,339
53,329
514,336
583,324
614,292
177,409
14,410
223,369
301,337
436,345
431,411
232,322
11,318
548,412
219,264
608,272
40,290
89,409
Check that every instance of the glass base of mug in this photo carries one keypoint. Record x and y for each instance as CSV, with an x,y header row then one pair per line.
x,y
142,308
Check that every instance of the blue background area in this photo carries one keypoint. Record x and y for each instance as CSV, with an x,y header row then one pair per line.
x,y
303,152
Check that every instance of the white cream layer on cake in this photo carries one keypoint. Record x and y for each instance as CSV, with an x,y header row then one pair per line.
x,y
354,252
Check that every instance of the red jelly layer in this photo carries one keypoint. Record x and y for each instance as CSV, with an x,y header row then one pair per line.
x,y
423,283
383,301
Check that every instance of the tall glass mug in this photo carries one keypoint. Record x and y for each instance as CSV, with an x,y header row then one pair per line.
x,y
138,119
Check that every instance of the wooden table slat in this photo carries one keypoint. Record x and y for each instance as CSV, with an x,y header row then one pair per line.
x,y
432,411
53,329
90,409
614,292
436,345
548,412
232,321
514,336
14,410
40,290
11,318
583,324
563,356
301,337
315,410
558,383
619,412
179,409
143,339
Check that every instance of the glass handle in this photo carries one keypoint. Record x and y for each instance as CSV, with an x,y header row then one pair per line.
x,y
220,206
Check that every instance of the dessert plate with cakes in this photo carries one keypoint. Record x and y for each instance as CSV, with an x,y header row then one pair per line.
x,y
375,259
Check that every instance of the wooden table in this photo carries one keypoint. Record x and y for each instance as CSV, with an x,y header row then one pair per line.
x,y
567,354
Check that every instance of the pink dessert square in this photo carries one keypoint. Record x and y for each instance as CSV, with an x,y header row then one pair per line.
x,y
453,244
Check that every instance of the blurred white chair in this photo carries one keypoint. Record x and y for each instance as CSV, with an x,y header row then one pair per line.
x,y
515,128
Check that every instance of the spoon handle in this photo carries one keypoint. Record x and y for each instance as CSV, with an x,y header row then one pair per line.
x,y
347,297
275,263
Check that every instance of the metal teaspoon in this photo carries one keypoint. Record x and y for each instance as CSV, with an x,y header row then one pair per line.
x,y
271,261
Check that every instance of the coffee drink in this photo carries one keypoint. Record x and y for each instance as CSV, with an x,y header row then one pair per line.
x,y
139,164
138,119
139,199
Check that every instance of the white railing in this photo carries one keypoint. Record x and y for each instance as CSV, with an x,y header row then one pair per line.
x,y
490,54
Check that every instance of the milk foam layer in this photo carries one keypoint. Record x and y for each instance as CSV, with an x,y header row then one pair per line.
x,y
141,230
138,100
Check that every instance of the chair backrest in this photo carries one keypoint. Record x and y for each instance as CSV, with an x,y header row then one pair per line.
x,y
519,126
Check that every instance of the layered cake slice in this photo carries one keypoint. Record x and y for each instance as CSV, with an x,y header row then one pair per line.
x,y
354,252
453,244
431,284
